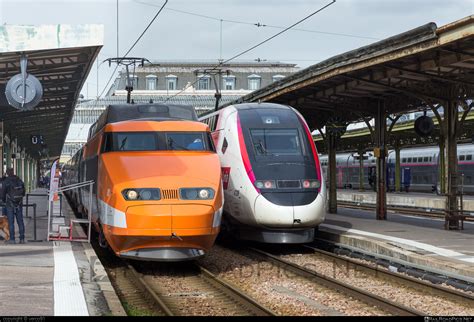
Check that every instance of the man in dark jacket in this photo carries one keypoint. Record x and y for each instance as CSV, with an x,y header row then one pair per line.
x,y
12,196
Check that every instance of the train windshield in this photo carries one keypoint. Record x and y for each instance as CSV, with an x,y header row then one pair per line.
x,y
276,142
186,141
157,141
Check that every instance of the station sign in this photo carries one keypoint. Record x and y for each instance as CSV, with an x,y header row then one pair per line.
x,y
37,139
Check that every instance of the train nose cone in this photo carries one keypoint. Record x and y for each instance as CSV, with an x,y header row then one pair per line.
x,y
271,215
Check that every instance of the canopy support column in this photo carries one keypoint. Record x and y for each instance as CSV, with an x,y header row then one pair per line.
x,y
451,119
332,141
380,153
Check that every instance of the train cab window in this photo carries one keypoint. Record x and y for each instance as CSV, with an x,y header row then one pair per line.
x,y
136,141
157,141
276,142
195,141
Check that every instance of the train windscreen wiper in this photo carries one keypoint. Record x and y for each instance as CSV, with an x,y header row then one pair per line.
x,y
122,145
171,144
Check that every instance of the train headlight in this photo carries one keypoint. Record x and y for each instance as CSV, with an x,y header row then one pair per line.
x,y
309,183
267,184
203,194
196,193
145,194
315,184
142,194
132,194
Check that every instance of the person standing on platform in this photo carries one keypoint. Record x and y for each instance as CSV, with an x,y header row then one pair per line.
x,y
12,196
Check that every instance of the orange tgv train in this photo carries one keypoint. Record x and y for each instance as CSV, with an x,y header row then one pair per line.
x,y
157,193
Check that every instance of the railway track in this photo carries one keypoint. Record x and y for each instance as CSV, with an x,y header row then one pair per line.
x,y
195,291
343,288
402,210
375,270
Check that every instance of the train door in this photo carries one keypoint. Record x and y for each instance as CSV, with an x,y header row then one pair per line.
x,y
339,177
372,177
406,178
390,175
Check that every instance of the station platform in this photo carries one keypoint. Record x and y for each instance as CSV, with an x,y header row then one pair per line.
x,y
418,242
402,199
42,278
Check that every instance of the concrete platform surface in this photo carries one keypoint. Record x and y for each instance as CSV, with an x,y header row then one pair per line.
x,y
53,278
411,240
402,199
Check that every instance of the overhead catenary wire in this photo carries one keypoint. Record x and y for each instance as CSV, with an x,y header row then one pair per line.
x,y
258,24
134,44
252,48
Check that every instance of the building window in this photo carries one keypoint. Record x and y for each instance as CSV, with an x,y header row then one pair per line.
x,y
171,82
229,82
204,82
133,81
254,82
276,78
151,82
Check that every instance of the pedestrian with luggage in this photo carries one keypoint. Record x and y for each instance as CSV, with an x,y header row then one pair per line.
x,y
12,196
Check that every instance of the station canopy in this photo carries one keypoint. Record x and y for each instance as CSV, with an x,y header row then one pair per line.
x,y
60,56
428,65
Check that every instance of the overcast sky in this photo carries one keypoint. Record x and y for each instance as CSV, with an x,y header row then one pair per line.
x,y
345,25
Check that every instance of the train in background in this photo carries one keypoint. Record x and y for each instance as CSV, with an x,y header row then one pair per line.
x,y
419,168
157,192
271,173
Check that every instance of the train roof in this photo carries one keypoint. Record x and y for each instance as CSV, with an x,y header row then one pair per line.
x,y
152,111
247,106
125,112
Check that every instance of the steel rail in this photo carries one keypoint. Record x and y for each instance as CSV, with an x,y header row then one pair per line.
x,y
145,288
237,294
397,277
402,210
343,288
232,292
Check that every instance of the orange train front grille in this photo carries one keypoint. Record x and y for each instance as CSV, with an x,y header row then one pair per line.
x,y
169,194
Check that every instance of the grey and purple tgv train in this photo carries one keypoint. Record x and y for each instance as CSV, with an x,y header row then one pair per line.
x,y
271,173
419,169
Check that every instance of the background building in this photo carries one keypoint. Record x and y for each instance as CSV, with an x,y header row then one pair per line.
x,y
170,76
177,83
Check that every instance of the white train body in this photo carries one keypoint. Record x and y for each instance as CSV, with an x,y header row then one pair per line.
x,y
272,177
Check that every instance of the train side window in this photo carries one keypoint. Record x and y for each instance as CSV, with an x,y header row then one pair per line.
x,y
462,157
107,144
404,160
224,146
425,159
469,157
409,160
420,159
